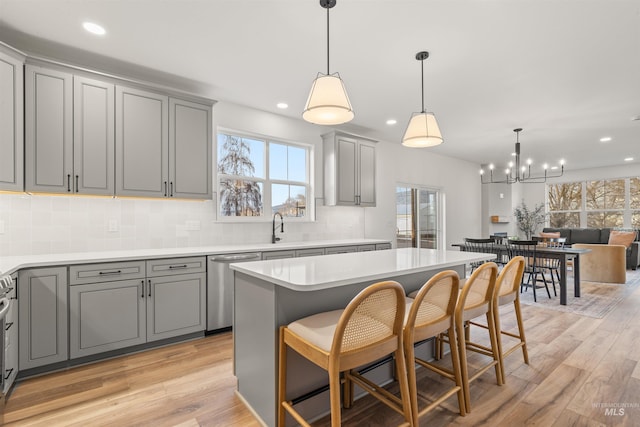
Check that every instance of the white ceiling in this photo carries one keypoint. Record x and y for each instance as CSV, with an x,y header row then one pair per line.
x,y
568,72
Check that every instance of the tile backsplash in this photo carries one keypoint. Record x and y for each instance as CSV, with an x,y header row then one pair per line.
x,y
42,224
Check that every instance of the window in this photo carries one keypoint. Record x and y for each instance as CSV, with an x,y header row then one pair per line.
x,y
258,177
605,203
599,204
565,203
417,217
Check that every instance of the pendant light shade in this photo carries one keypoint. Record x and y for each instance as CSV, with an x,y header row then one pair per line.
x,y
422,130
328,102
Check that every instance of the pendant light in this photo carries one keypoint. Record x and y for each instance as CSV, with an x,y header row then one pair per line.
x,y
328,103
423,130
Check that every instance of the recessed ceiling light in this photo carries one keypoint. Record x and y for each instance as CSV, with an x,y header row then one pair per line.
x,y
282,105
628,159
605,139
94,28
392,122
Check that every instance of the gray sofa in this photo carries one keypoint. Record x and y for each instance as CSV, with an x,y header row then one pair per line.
x,y
598,236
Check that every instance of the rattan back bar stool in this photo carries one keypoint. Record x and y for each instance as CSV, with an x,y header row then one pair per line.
x,y
368,329
429,313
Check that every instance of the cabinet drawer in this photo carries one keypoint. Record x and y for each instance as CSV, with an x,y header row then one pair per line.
x,y
171,266
366,248
383,246
278,254
340,250
106,272
309,252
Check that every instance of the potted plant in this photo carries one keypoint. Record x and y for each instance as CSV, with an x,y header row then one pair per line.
x,y
527,219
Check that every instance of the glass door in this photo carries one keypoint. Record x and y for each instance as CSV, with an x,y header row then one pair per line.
x,y
418,222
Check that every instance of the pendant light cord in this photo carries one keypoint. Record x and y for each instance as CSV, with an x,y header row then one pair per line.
x,y
327,41
422,71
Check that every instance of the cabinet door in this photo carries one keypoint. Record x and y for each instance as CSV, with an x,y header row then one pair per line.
x,y
189,149
93,142
42,314
11,124
48,130
347,169
176,305
366,175
141,143
11,342
106,316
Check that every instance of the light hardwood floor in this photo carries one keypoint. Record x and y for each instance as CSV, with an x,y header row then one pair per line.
x,y
576,364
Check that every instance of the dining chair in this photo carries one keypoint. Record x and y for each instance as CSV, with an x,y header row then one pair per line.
x,y
528,250
430,312
475,300
479,245
339,341
507,292
548,263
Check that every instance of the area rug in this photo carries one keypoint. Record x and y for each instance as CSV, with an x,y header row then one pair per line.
x,y
596,299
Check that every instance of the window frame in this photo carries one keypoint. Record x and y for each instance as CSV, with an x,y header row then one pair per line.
x,y
266,181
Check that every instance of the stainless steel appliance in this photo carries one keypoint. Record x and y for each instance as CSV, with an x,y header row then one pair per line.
x,y
6,292
220,289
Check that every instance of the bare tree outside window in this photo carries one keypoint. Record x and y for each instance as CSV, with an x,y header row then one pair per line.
x,y
238,197
565,202
605,203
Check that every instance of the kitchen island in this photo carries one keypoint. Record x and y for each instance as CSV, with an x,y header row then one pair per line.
x,y
269,294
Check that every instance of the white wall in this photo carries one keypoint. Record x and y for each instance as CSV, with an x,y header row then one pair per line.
x,y
39,224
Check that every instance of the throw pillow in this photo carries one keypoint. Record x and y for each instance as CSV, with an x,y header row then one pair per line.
x,y
621,238
550,235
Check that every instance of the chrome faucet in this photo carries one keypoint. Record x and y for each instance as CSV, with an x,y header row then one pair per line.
x,y
273,229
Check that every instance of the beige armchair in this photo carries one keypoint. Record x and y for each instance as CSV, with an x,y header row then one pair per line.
x,y
605,263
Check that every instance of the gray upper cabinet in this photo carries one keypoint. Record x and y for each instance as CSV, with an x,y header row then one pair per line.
x,y
163,146
190,131
48,130
69,133
11,122
93,142
142,143
349,170
42,312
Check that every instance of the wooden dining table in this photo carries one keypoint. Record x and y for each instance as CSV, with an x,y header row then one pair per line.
x,y
562,254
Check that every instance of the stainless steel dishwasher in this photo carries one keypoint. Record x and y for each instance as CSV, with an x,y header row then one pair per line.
x,y
220,289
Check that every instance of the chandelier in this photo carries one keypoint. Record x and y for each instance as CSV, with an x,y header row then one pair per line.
x,y
516,173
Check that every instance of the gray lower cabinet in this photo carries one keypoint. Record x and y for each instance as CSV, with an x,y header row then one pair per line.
x,y
309,252
42,313
340,250
106,316
176,305
11,340
135,302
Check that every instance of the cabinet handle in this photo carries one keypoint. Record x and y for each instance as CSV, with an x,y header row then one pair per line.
x,y
142,283
165,189
177,266
9,371
171,189
106,273
69,183
76,183
149,288
8,326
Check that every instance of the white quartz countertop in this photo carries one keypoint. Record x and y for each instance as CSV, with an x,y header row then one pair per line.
x,y
11,264
328,271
